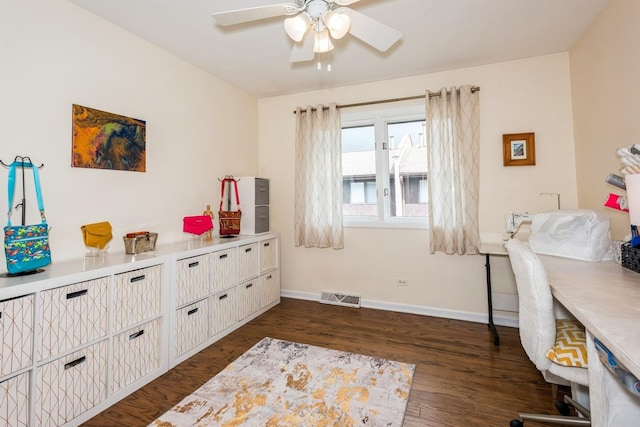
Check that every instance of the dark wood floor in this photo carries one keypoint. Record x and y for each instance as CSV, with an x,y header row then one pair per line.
x,y
461,378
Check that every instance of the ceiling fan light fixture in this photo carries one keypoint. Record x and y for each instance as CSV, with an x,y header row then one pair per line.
x,y
337,23
322,42
297,26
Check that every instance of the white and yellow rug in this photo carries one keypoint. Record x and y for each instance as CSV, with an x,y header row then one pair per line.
x,y
281,383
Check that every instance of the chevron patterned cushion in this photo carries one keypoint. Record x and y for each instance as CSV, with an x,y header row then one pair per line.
x,y
570,348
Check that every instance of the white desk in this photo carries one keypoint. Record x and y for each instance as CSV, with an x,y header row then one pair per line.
x,y
605,298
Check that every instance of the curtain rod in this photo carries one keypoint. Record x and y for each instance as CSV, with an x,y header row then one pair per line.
x,y
384,101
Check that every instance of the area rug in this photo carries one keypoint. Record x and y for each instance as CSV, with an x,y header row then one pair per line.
x,y
285,384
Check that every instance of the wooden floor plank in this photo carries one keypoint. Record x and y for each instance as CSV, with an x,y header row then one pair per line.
x,y
461,378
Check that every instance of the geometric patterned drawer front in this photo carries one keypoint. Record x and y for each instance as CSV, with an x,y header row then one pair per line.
x,y
136,352
71,385
267,255
136,296
14,401
249,296
16,333
192,279
248,266
72,315
191,326
223,311
224,269
270,288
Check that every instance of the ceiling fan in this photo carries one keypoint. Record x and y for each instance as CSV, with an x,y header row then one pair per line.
x,y
313,23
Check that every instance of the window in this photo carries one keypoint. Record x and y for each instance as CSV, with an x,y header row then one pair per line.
x,y
384,168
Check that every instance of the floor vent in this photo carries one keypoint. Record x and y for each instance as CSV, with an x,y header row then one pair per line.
x,y
336,298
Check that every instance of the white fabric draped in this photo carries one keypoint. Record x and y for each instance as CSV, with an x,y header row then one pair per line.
x,y
318,185
453,143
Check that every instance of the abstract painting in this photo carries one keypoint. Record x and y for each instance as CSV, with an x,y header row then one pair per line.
x,y
103,140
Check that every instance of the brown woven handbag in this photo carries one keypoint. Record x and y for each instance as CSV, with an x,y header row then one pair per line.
x,y
229,220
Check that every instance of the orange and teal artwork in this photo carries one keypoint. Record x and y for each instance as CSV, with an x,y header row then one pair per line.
x,y
103,140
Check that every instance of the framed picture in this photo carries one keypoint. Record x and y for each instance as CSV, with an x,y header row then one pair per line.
x,y
519,149
103,140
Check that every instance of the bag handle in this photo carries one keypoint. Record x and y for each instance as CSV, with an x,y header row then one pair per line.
x,y
235,184
12,186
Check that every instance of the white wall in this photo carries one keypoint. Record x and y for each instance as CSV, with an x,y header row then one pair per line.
x,y
55,54
605,65
530,95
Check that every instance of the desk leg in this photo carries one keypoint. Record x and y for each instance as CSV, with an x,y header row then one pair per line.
x,y
491,325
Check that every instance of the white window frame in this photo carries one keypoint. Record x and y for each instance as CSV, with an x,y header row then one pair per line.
x,y
379,118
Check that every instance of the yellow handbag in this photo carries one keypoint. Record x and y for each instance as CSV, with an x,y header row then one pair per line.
x,y
96,235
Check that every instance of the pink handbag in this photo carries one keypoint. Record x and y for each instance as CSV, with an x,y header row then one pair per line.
x,y
199,224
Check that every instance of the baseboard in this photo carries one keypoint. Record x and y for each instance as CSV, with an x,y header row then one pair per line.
x,y
499,318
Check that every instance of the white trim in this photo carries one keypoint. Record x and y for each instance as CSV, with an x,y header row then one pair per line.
x,y
499,318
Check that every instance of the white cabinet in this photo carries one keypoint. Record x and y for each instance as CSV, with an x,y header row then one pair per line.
x,y
192,288
270,288
16,354
71,385
269,273
248,264
192,323
72,315
268,255
223,310
248,298
136,353
223,269
239,271
14,401
16,334
137,296
79,338
192,279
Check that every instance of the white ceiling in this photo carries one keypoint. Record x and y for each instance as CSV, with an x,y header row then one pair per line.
x,y
438,35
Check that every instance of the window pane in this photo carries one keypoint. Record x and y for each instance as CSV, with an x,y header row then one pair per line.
x,y
407,169
359,171
357,192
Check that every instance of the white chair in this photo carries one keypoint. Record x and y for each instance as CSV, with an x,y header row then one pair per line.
x,y
537,323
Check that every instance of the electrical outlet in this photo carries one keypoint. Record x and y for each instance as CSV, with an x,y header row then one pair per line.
x,y
402,282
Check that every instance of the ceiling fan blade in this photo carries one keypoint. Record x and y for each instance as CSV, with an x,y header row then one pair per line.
x,y
370,31
345,2
240,16
303,51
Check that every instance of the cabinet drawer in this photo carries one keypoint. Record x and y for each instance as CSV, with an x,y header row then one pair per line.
x,y
268,253
16,333
248,266
223,311
253,191
73,315
249,296
261,224
137,296
192,279
14,401
192,322
71,385
270,288
224,269
136,353
261,191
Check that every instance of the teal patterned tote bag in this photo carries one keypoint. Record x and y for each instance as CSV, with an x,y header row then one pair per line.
x,y
26,246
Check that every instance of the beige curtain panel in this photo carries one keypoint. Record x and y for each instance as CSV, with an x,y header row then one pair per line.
x,y
318,185
453,146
